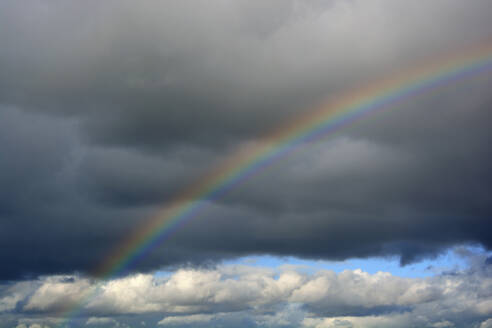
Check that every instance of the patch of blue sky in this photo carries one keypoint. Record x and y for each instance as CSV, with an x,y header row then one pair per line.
x,y
451,260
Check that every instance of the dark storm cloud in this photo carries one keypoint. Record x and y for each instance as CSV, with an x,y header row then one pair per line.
x,y
108,109
193,72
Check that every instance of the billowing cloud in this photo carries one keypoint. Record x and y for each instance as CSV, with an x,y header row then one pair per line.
x,y
101,321
285,296
186,320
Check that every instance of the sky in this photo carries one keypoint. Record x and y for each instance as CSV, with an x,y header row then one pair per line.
x,y
109,109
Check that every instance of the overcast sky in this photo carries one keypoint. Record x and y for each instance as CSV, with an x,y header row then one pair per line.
x,y
110,108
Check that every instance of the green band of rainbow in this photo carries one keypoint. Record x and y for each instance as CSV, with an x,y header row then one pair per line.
x,y
329,117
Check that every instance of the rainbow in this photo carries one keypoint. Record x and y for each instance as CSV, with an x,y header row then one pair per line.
x,y
325,119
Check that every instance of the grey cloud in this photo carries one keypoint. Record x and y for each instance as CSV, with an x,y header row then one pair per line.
x,y
109,109
153,74
128,178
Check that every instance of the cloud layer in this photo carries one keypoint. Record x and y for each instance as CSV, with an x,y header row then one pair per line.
x,y
109,109
253,296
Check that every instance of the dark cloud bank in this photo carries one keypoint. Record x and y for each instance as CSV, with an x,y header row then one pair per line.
x,y
107,109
